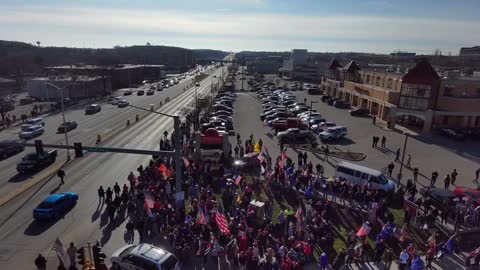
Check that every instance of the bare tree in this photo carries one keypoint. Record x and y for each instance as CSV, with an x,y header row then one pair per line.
x,y
38,43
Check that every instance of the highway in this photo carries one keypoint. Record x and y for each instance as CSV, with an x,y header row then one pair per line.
x,y
107,121
21,238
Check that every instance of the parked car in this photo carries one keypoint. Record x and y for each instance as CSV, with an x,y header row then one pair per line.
x,y
31,132
35,122
341,104
359,112
332,101
333,133
294,134
7,151
220,112
441,197
140,93
325,98
69,125
471,195
55,205
143,257
92,109
34,161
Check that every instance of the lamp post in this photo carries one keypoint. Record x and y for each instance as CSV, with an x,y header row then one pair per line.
x,y
177,155
403,157
310,115
63,113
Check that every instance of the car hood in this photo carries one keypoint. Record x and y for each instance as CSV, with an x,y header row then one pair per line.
x,y
26,163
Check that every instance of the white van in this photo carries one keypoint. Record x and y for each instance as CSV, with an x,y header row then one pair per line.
x,y
360,175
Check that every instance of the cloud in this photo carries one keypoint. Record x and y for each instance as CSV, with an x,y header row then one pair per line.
x,y
242,27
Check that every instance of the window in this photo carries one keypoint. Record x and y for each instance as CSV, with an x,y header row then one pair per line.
x,y
358,174
389,83
364,176
374,179
345,170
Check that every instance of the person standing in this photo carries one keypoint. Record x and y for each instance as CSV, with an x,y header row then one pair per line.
x,y
109,195
323,261
477,174
446,181
397,157
300,158
453,176
305,158
327,152
384,140
374,138
116,189
387,258
374,120
41,262
415,174
390,168
61,175
72,253
403,258
101,194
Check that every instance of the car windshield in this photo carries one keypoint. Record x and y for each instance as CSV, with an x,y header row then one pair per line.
x,y
45,205
382,179
127,251
169,263
31,157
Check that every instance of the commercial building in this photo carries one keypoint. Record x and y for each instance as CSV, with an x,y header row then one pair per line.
x,y
74,87
265,65
120,76
417,97
8,86
299,67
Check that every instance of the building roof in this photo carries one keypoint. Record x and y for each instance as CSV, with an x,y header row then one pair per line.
x,y
351,67
422,73
334,64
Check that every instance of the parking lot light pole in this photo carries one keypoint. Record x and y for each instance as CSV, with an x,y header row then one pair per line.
x,y
403,157
63,114
310,115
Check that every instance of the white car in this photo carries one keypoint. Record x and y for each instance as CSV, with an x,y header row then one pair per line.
x,y
333,133
323,125
144,257
31,132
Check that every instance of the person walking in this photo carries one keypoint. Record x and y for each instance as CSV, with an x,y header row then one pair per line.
x,y
305,158
236,149
72,254
109,194
409,161
446,181
101,194
327,152
397,157
433,180
61,175
453,176
384,140
41,262
323,261
374,138
374,120
300,158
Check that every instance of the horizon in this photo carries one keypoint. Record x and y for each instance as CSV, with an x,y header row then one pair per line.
x,y
248,25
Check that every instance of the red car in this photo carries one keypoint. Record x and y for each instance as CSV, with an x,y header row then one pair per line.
x,y
471,194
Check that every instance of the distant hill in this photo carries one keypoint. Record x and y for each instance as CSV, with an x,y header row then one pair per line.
x,y
19,58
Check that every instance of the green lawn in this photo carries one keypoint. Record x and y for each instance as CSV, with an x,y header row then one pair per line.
x,y
200,77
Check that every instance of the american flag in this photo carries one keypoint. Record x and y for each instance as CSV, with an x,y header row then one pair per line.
x,y
222,222
149,202
60,250
364,230
201,219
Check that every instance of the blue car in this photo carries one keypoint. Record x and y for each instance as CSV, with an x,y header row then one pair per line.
x,y
55,205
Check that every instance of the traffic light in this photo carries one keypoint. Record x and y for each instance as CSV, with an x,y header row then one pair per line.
x,y
78,149
98,255
81,256
39,147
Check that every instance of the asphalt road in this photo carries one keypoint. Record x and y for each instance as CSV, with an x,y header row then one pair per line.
x,y
109,119
22,238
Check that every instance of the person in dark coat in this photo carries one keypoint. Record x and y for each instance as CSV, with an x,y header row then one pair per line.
x,y
41,262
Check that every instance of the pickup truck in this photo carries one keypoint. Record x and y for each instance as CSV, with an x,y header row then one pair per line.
x,y
35,162
288,123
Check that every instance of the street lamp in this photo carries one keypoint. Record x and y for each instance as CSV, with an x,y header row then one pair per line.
x,y
177,153
310,115
63,112
403,157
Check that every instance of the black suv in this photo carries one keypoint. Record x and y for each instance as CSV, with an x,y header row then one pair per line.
x,y
359,112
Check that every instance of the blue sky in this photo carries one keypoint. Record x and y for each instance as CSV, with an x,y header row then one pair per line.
x,y
378,26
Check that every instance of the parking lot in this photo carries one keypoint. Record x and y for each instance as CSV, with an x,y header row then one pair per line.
x,y
429,153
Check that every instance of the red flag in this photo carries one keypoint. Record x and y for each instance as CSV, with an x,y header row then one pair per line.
x,y
222,222
238,179
163,169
